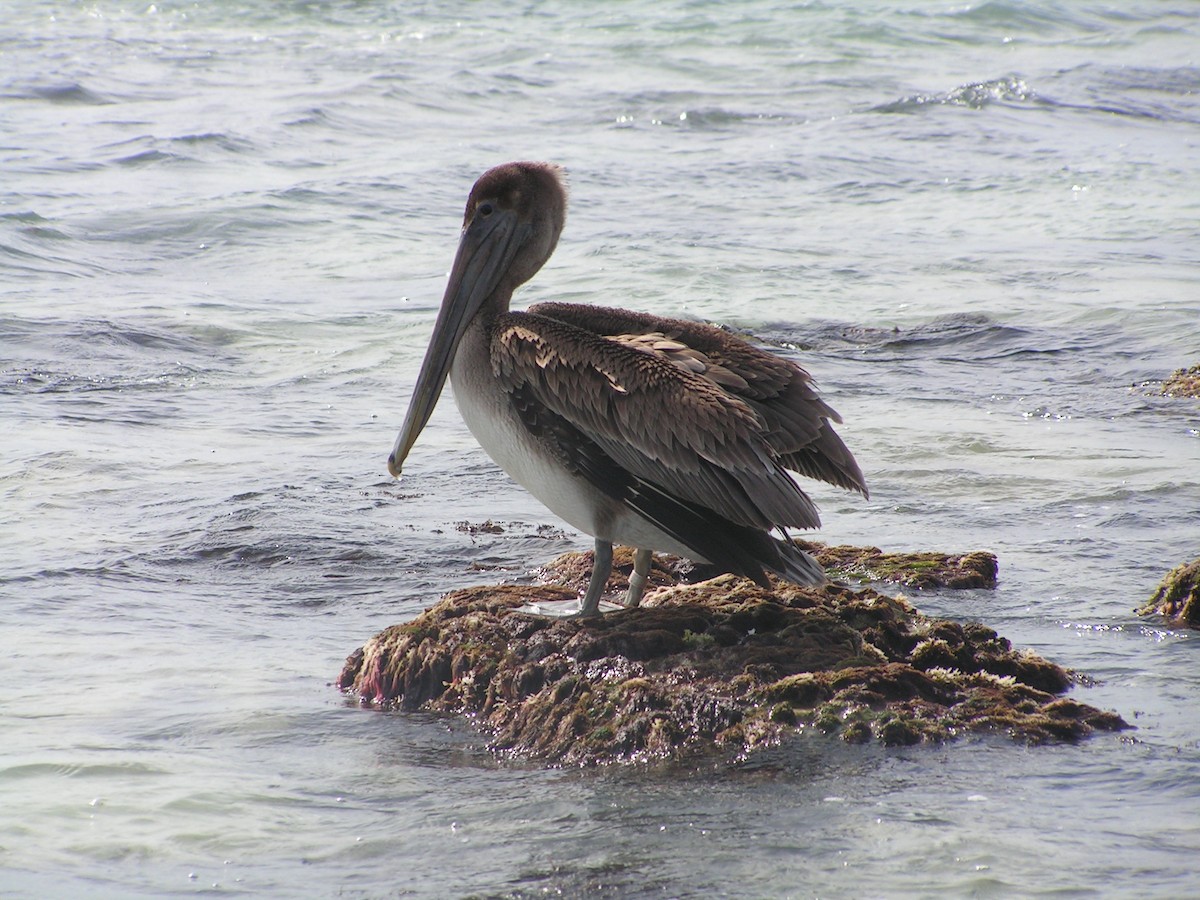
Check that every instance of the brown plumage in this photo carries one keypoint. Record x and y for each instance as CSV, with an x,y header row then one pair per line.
x,y
638,429
795,421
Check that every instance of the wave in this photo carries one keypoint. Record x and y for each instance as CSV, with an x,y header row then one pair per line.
x,y
1164,95
1010,90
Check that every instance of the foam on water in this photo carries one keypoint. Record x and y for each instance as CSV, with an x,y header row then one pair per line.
x,y
224,231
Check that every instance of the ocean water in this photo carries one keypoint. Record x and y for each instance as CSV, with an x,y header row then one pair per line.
x,y
224,231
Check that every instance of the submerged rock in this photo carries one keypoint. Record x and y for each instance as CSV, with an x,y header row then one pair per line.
x,y
915,570
721,665
1183,383
1178,596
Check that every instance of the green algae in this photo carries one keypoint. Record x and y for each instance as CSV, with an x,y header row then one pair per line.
x,y
1177,598
918,570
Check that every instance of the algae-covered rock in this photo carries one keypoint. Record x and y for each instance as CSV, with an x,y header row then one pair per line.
x,y
1178,596
915,570
722,665
918,570
1183,383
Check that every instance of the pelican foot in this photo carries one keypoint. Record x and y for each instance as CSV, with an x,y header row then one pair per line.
x,y
565,609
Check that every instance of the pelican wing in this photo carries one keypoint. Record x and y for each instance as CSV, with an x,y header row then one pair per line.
x,y
663,424
796,421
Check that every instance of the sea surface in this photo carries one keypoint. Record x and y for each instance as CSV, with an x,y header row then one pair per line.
x,y
225,228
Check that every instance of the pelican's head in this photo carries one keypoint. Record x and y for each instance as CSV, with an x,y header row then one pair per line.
x,y
514,215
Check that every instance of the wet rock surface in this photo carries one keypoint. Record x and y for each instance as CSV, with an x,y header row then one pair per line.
x,y
914,570
721,666
1178,596
1183,383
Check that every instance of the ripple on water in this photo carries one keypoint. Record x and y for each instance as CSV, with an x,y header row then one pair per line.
x,y
99,771
195,528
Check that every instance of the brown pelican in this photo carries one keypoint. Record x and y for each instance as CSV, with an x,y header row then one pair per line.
x,y
649,432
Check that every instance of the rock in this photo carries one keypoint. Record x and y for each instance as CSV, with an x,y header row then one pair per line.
x,y
1178,596
722,666
1183,383
914,570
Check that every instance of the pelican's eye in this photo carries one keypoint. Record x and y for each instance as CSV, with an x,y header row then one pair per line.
x,y
485,209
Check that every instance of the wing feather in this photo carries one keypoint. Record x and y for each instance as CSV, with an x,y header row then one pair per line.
x,y
796,421
665,425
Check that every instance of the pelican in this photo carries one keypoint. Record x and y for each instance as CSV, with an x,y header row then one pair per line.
x,y
654,433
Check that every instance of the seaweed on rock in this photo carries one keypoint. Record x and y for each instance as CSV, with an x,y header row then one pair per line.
x,y
721,665
1183,383
1178,596
918,570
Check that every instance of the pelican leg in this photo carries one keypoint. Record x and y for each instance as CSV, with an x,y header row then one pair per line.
x,y
637,578
592,605
601,569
